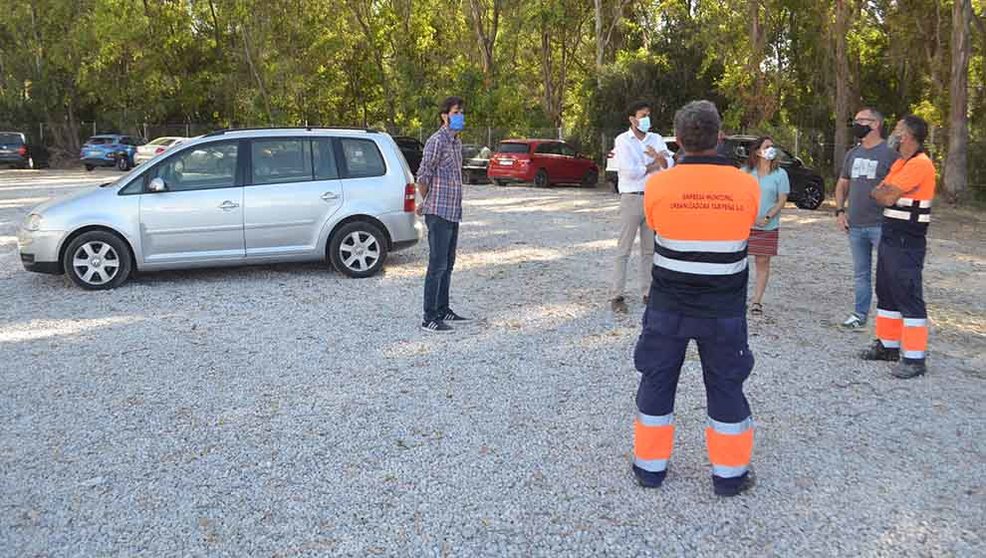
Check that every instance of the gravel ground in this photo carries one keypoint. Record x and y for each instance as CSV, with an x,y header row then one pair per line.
x,y
286,410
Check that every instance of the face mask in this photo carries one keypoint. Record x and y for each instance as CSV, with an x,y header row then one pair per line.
x,y
643,124
457,122
860,130
769,154
893,142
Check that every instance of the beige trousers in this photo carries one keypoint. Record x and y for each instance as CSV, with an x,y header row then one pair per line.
x,y
632,219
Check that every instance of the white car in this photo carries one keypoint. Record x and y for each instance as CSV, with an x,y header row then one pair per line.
x,y
152,149
612,168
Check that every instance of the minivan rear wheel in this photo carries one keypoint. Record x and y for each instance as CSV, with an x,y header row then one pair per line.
x,y
358,249
97,260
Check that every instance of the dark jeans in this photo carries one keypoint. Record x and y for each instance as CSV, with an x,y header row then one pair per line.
x,y
443,239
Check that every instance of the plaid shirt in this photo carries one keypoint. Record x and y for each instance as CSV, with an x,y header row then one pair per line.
x,y
441,172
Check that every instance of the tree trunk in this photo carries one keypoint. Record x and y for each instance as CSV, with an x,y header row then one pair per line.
x,y
841,84
486,38
958,130
256,74
600,44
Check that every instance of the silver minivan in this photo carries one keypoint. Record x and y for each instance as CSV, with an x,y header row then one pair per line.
x,y
234,197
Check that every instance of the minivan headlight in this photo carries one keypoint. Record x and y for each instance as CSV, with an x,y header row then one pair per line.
x,y
33,222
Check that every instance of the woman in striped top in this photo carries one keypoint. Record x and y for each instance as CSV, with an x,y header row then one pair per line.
x,y
775,186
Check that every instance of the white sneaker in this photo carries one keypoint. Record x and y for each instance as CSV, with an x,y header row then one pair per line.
x,y
854,322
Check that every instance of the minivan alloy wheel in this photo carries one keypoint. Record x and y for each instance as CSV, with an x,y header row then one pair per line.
x,y
359,251
96,263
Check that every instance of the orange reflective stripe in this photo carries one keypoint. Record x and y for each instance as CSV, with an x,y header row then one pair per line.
x,y
915,339
889,329
652,442
729,450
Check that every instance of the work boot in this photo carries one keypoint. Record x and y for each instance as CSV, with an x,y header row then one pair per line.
x,y
877,351
647,479
907,369
748,482
618,305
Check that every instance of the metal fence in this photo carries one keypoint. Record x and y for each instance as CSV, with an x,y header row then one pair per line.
x,y
814,147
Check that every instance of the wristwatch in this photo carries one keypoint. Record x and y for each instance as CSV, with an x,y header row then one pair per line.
x,y
839,211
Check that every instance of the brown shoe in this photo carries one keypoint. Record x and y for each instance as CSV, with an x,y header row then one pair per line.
x,y
618,305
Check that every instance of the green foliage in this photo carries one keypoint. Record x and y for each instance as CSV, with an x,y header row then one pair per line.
x,y
387,63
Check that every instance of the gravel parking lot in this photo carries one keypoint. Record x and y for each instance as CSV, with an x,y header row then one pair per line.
x,y
286,410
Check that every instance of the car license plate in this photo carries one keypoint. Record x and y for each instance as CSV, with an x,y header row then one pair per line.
x,y
507,162
92,153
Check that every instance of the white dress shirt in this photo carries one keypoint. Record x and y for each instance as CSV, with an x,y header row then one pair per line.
x,y
632,161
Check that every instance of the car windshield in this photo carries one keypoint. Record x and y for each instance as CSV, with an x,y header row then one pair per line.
x,y
7,139
100,141
513,148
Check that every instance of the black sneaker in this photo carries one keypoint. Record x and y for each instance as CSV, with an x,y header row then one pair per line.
x,y
908,369
453,317
436,326
748,482
877,351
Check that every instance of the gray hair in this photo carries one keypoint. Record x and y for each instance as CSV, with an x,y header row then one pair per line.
x,y
875,114
697,126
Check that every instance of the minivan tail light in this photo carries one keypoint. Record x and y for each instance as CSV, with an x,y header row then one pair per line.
x,y
409,205
22,151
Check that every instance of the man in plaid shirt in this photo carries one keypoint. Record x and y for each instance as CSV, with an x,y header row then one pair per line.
x,y
440,185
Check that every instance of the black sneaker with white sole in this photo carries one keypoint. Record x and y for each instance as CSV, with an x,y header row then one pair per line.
x,y
451,316
436,326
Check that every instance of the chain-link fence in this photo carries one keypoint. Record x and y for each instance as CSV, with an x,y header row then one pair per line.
x,y
815,148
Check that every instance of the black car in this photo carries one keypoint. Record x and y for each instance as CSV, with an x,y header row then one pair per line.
x,y
807,186
17,152
412,149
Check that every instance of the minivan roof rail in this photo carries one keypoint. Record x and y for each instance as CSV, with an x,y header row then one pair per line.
x,y
259,128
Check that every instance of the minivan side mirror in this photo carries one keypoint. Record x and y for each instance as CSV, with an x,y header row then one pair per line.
x,y
157,185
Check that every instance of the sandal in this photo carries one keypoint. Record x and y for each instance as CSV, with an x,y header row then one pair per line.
x,y
756,309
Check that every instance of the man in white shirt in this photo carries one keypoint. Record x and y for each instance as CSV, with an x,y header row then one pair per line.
x,y
639,154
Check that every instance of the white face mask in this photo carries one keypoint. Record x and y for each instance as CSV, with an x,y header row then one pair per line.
x,y
769,153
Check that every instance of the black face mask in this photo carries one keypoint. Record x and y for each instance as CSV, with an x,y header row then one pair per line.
x,y
860,130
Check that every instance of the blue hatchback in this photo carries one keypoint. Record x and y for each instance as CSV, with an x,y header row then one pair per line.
x,y
109,150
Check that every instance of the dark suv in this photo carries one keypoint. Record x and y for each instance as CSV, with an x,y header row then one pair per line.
x,y
807,186
17,152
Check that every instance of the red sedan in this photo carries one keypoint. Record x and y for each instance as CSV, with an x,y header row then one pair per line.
x,y
543,162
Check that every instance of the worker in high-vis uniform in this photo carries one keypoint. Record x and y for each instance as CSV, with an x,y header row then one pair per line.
x,y
701,211
906,193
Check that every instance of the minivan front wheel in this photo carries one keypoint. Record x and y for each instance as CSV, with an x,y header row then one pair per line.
x,y
97,260
358,249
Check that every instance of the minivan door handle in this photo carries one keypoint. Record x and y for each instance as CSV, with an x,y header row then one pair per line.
x,y
329,196
227,205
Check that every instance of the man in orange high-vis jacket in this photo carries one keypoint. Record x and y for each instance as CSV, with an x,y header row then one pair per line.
x,y
701,211
906,193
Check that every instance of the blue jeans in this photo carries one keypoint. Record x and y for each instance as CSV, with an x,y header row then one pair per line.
x,y
862,241
443,239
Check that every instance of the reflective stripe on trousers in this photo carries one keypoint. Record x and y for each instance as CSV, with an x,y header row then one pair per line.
x,y
653,440
730,446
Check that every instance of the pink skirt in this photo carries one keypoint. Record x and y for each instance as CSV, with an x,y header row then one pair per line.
x,y
763,243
